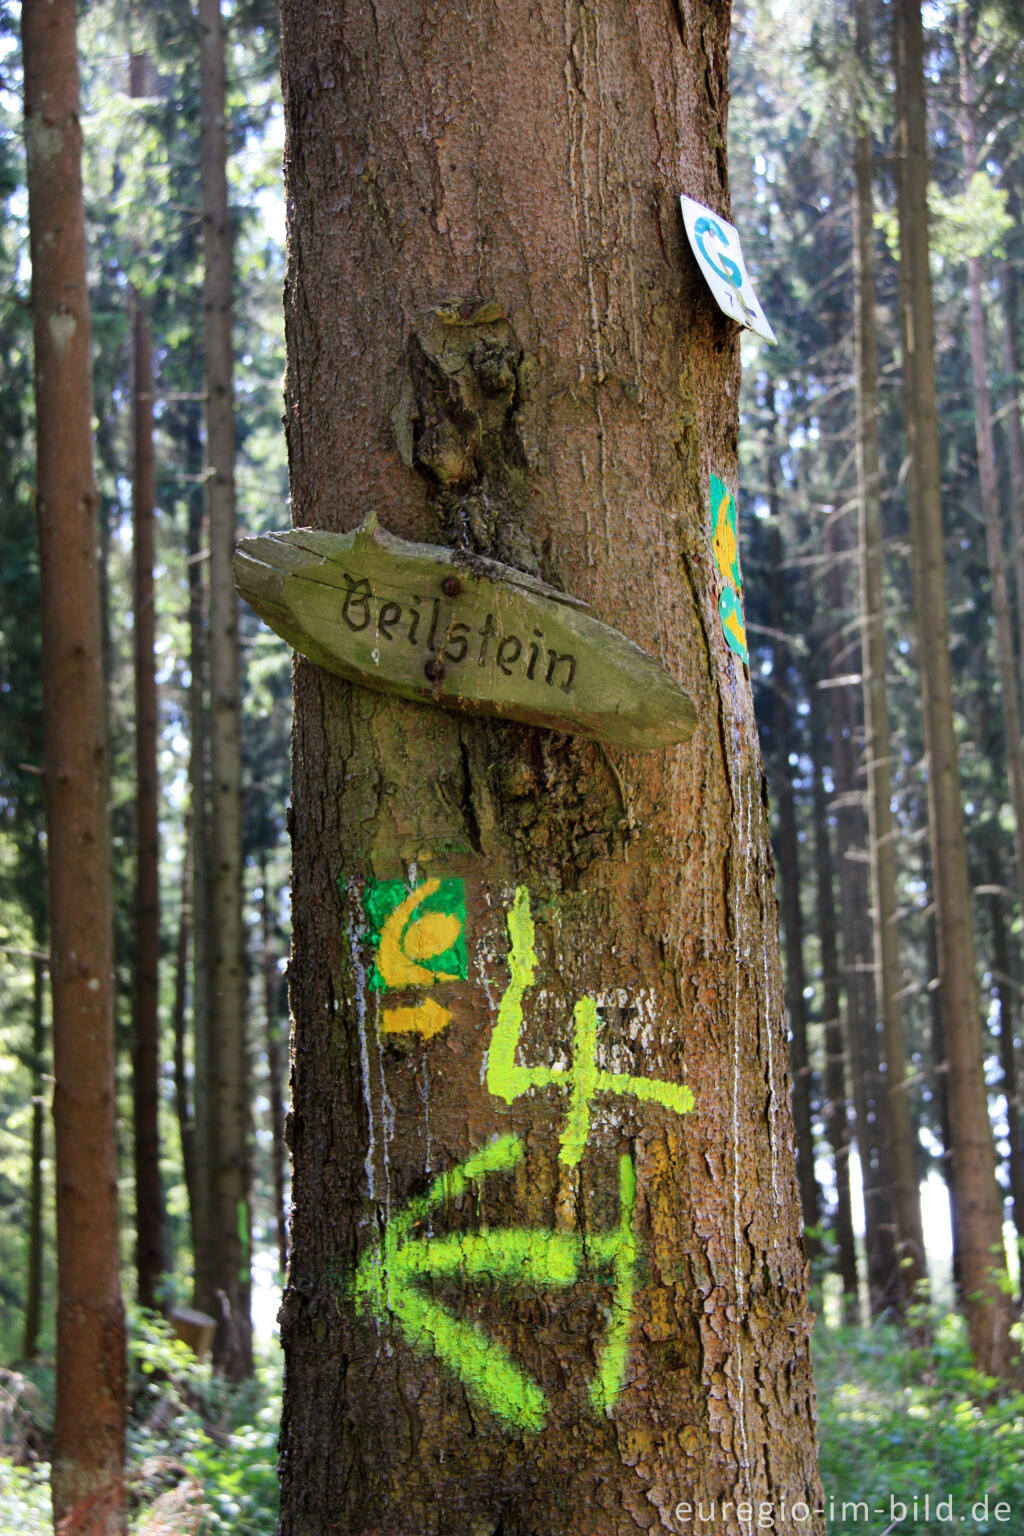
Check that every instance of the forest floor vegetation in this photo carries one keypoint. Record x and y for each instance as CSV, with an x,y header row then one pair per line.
x,y
913,1439
202,1453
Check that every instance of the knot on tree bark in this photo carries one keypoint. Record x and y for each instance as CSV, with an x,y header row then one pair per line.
x,y
457,424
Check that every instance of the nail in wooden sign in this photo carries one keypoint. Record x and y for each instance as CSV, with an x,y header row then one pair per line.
x,y
442,626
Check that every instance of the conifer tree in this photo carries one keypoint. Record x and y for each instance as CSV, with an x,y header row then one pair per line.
x,y
522,1297
979,1223
88,1492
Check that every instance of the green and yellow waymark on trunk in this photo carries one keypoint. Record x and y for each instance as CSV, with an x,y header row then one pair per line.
x,y
418,935
389,1280
725,544
418,938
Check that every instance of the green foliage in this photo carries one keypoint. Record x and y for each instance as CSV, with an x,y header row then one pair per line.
x,y
971,223
899,1423
201,1452
240,1479
24,1499
200,1447
896,1422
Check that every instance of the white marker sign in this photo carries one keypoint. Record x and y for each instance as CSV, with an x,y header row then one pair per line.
x,y
716,245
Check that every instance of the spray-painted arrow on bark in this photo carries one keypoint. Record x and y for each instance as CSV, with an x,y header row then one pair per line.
x,y
388,1278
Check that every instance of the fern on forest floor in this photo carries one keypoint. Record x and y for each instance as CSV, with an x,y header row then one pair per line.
x,y
201,1453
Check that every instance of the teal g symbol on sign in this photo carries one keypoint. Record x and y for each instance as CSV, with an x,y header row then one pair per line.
x,y
724,267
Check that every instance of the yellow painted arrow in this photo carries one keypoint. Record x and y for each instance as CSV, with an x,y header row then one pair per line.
x,y
427,1019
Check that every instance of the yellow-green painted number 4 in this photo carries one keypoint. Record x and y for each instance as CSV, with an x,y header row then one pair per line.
x,y
583,1079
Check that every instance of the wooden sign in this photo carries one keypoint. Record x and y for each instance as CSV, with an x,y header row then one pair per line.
x,y
446,627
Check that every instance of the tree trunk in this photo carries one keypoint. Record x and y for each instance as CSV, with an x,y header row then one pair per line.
x,y
88,1444
183,1099
837,1048
229,1074
881,826
788,852
202,1212
149,1213
1014,430
995,541
940,1069
273,997
979,1203
576,1305
788,858
884,1288
34,1265
1007,1043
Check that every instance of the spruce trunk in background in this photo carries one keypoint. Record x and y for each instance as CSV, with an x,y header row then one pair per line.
x,y
783,715
1004,989
149,1221
533,1287
226,1042
940,1071
858,958
979,1221
202,1212
275,1014
184,1103
988,486
88,1441
34,1266
835,1111
878,741
1011,412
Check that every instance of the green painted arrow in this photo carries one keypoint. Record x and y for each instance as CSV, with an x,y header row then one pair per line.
x,y
386,1283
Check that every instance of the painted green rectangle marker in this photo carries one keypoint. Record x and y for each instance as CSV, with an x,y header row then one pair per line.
x,y
418,935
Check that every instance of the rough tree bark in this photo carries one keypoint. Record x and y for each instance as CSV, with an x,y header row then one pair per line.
x,y
88,1442
226,1039
987,1300
519,1301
